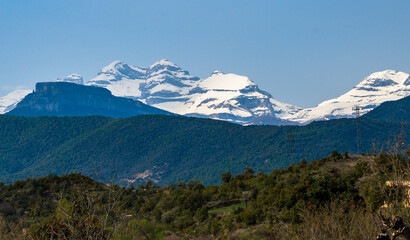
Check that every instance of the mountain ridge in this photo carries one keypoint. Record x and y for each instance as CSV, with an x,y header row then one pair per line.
x,y
370,92
167,86
229,97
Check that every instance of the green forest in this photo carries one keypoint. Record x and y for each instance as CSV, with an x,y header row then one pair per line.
x,y
167,149
341,196
174,177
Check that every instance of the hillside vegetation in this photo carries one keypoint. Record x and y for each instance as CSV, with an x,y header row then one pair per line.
x,y
166,149
337,197
24,141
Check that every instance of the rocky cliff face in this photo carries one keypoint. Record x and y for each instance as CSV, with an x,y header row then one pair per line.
x,y
69,99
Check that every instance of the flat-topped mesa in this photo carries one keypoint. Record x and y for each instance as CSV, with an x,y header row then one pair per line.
x,y
56,88
69,99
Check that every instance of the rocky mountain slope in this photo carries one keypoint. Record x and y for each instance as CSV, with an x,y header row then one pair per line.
x,y
373,90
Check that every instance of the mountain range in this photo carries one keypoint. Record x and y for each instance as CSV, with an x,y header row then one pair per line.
x,y
228,97
167,148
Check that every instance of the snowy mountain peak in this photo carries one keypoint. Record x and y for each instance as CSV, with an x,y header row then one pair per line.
x,y
114,65
72,78
163,66
384,79
122,68
164,63
230,81
216,72
389,74
117,71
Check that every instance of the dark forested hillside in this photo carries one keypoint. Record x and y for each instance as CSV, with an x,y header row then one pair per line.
x,y
167,149
337,197
395,111
23,141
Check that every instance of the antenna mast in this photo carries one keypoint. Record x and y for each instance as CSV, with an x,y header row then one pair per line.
x,y
356,112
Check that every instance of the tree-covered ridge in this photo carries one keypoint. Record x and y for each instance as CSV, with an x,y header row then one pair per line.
x,y
23,141
337,197
394,111
166,149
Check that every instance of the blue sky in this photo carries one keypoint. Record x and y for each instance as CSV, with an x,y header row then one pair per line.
x,y
302,52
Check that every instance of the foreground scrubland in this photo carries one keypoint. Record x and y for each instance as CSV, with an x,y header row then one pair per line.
x,y
341,196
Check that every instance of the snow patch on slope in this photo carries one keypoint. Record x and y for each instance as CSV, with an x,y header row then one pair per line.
x,y
72,78
220,81
9,102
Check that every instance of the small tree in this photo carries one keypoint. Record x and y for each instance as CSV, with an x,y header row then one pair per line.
x,y
226,177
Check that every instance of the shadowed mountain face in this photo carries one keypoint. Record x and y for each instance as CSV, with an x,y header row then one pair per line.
x,y
69,99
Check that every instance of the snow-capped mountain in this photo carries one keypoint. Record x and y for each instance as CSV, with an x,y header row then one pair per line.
x,y
373,90
233,97
9,102
72,78
229,97
166,86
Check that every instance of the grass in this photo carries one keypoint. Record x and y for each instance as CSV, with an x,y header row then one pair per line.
x,y
227,209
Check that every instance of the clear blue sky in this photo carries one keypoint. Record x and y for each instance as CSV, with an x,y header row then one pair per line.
x,y
302,52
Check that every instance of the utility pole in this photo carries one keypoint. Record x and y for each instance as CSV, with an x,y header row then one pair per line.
x,y
356,112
